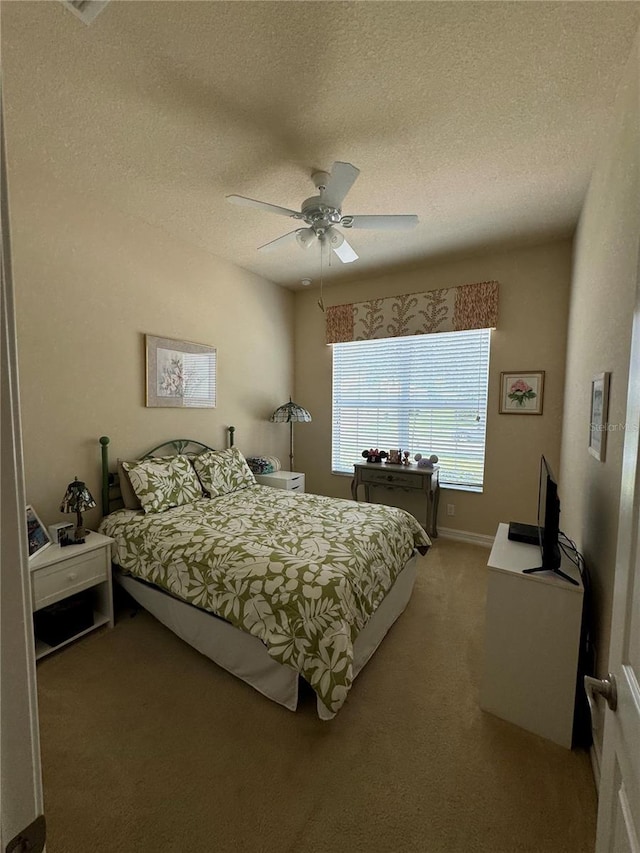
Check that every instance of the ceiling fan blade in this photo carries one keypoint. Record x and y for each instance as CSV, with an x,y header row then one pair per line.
x,y
340,246
388,223
279,241
346,253
243,201
341,179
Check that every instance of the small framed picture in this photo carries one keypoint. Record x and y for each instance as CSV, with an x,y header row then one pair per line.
x,y
521,393
599,415
37,535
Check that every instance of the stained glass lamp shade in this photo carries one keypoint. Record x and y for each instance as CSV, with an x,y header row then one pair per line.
x,y
77,499
289,413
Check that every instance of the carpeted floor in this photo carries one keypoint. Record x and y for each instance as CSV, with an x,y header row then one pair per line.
x,y
148,746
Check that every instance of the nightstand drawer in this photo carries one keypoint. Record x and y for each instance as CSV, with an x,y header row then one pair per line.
x,y
56,582
292,481
296,483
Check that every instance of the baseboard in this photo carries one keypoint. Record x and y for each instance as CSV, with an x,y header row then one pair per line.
x,y
466,536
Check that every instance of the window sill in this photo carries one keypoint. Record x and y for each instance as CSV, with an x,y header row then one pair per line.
x,y
454,487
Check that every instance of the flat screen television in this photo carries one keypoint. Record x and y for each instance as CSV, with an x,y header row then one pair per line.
x,y
549,524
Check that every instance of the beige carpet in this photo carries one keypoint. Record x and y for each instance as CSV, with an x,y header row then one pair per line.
x,y
148,746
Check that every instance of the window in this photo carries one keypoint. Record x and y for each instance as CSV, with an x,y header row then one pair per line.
x,y
423,393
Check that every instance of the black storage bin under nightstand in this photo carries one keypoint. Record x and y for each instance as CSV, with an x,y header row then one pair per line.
x,y
61,621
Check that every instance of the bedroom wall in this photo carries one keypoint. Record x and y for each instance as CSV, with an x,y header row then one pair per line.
x,y
89,283
531,334
603,295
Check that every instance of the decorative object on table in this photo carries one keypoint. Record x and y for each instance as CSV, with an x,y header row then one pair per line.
x,y
37,536
394,457
405,458
425,461
290,413
61,531
264,464
77,499
599,415
521,393
180,374
374,455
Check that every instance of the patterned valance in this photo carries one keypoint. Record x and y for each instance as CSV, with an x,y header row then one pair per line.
x,y
453,309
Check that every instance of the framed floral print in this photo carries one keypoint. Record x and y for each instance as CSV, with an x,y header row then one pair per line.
x,y
599,415
180,374
521,393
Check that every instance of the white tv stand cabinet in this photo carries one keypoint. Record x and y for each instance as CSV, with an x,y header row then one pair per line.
x,y
532,640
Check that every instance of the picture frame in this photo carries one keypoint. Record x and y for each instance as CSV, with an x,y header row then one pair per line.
x,y
521,392
37,534
599,415
180,374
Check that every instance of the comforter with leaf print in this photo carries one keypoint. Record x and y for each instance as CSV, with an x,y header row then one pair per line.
x,y
303,573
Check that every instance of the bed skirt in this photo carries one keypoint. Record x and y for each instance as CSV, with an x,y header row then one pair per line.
x,y
244,655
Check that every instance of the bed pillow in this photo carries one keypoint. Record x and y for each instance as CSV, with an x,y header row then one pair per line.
x,y
163,482
129,497
223,471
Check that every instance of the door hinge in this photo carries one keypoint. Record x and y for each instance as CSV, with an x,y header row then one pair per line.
x,y
31,839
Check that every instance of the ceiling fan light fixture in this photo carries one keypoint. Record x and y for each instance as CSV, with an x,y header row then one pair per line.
x,y
336,239
305,237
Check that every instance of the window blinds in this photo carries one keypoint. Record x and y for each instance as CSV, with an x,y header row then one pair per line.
x,y
422,393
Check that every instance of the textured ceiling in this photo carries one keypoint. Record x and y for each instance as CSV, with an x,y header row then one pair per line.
x,y
482,118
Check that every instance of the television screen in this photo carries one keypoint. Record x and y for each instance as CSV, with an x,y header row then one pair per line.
x,y
548,517
549,524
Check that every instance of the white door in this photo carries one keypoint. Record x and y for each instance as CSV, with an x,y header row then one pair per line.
x,y
619,795
21,812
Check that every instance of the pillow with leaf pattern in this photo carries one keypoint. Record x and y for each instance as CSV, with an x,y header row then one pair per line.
x,y
223,471
163,482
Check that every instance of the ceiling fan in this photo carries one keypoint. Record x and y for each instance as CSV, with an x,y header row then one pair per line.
x,y
323,212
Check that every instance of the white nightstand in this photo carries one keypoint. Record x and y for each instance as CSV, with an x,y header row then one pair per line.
x,y
292,481
58,573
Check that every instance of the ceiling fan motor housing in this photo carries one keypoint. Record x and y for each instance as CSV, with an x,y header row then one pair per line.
x,y
320,180
318,215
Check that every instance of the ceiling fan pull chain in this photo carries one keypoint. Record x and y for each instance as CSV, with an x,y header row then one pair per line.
x,y
321,300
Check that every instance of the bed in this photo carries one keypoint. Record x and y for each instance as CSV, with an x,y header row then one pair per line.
x,y
271,585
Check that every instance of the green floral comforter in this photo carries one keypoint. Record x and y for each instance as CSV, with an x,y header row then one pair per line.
x,y
302,572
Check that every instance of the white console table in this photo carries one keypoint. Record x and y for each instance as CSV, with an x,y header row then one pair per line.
x,y
532,640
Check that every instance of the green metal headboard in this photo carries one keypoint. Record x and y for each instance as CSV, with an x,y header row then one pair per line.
x,y
110,480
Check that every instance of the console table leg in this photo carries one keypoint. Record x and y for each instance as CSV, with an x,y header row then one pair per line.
x,y
435,500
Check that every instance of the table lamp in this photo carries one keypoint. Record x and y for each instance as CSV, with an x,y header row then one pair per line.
x,y
77,499
288,413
